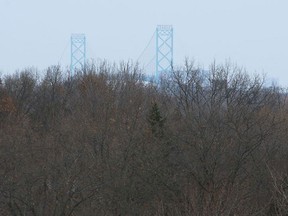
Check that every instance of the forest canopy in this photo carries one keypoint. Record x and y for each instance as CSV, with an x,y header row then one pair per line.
x,y
108,141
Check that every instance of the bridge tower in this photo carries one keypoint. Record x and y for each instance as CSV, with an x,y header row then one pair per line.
x,y
78,53
164,51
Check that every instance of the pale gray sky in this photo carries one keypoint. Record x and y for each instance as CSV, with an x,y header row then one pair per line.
x,y
252,33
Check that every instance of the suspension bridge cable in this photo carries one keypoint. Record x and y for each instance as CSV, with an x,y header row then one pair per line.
x,y
145,66
63,52
146,46
90,52
150,62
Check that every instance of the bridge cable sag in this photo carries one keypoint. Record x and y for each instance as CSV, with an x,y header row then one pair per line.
x,y
142,53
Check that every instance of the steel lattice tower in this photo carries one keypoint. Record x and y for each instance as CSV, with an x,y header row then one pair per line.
x,y
164,50
78,53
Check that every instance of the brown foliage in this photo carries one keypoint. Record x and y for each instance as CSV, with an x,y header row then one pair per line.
x,y
106,142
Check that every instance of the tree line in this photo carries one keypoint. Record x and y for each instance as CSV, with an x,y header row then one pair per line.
x,y
108,142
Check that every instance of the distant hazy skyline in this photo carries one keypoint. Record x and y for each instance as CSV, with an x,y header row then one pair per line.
x,y
251,33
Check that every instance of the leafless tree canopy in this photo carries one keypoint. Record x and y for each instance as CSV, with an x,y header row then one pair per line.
x,y
107,142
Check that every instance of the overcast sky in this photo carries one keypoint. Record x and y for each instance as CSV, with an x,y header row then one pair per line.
x,y
251,33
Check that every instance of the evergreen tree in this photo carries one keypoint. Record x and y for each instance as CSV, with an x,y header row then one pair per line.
x,y
156,121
